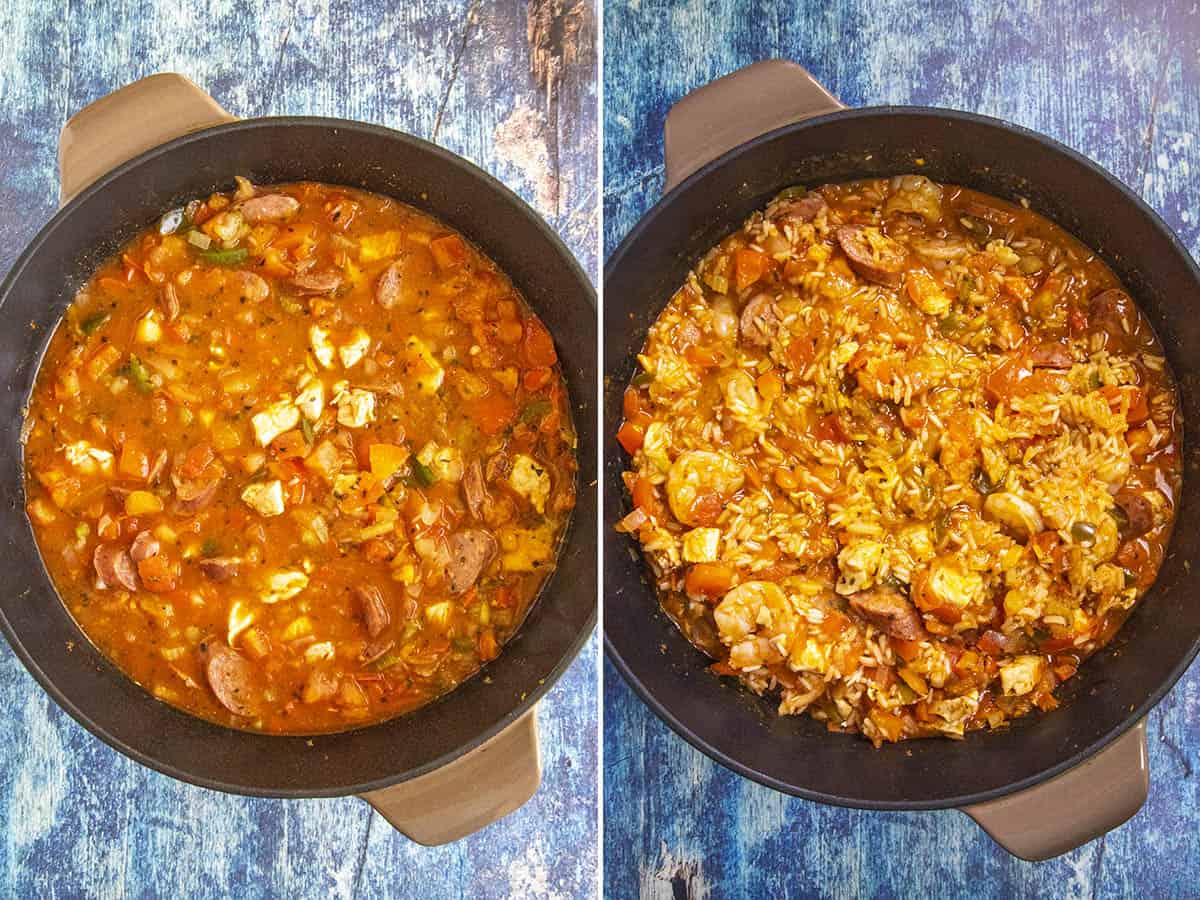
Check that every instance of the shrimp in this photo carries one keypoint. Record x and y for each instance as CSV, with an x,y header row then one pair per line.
x,y
700,483
757,622
741,396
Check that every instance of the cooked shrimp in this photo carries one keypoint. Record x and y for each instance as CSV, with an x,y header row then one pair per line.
x,y
757,622
699,484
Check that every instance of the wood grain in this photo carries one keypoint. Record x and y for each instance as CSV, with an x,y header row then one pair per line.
x,y
78,819
1115,80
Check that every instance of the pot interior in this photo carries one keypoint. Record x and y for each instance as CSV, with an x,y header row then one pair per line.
x,y
41,285
795,754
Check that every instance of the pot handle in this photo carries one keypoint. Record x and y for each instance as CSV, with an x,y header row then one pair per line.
x,y
1073,808
477,789
129,121
739,107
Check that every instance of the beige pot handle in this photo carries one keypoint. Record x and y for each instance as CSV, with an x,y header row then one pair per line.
x,y
477,789
1075,807
726,113
130,121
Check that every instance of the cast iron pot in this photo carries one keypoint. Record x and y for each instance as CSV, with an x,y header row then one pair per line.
x,y
1048,783
448,768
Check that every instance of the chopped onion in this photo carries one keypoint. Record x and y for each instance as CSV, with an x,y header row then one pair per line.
x,y
199,239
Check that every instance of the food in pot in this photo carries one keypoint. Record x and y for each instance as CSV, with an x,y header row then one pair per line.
x,y
299,458
903,454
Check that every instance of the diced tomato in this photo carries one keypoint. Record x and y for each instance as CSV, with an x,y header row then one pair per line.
x,y
906,650
492,413
830,429
770,385
378,549
135,461
1138,411
800,352
890,724
158,573
536,379
630,436
749,266
385,459
107,357
967,662
1018,377
645,497
722,668
707,508
293,235
1065,668
705,357
487,646
290,445
509,332
448,251
552,421
537,347
631,402
710,580
951,615
196,461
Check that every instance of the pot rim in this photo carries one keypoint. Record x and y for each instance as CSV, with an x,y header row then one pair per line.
x,y
526,700
646,693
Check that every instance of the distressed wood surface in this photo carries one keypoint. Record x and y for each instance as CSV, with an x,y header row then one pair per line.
x,y
1115,80
76,818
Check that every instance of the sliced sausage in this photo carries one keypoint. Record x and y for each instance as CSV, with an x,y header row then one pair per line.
x,y
220,568
991,214
1138,510
881,260
144,546
1052,355
759,321
387,288
316,282
115,567
251,286
374,609
470,553
230,675
803,210
193,496
473,488
270,208
889,610
1112,311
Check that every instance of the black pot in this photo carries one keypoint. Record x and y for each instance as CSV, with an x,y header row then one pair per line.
x,y
1115,689
113,209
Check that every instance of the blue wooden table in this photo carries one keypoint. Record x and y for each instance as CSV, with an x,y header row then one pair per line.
x,y
1117,80
76,818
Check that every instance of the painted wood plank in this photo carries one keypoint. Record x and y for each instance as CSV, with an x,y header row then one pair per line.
x,y
78,819
1117,81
